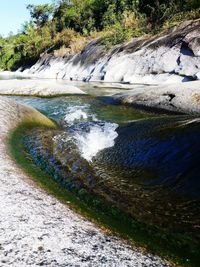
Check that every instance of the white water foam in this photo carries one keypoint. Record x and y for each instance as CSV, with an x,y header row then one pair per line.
x,y
92,136
96,139
78,113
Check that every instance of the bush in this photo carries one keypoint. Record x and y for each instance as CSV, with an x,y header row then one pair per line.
x,y
68,42
180,17
131,25
64,38
66,26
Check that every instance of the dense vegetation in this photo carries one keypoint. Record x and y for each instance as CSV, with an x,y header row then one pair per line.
x,y
65,26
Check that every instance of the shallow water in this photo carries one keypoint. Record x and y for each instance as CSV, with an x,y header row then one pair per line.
x,y
145,164
11,77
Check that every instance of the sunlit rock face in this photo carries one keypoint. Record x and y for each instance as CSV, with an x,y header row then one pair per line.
x,y
171,57
181,97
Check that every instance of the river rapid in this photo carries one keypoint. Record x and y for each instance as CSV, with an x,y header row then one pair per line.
x,y
146,164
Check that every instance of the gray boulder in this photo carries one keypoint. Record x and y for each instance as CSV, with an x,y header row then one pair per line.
x,y
173,56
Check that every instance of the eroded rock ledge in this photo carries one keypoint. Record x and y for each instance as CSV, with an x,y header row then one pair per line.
x,y
35,229
179,97
31,87
173,56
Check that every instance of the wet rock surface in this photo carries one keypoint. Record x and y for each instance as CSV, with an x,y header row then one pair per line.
x,y
37,230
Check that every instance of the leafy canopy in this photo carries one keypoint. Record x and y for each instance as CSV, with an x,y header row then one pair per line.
x,y
65,26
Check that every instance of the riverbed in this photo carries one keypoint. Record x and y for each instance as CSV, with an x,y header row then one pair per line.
x,y
143,164
38,230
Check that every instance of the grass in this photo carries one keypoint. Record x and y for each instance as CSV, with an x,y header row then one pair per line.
x,y
177,248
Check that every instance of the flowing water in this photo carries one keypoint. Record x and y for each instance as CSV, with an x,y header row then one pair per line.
x,y
145,164
11,77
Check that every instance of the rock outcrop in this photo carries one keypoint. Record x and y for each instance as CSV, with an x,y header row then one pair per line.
x,y
182,97
31,87
173,56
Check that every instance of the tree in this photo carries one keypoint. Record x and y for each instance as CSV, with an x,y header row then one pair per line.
x,y
40,13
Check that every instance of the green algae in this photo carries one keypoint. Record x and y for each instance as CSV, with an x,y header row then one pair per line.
x,y
179,248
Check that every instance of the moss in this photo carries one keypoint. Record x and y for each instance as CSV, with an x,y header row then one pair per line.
x,y
176,247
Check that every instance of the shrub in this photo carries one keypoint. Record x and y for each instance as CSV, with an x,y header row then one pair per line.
x,y
68,42
180,17
66,26
131,25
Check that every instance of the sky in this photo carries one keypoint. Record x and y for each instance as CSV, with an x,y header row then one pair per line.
x,y
13,14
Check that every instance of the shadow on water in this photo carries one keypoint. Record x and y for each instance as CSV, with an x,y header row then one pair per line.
x,y
155,167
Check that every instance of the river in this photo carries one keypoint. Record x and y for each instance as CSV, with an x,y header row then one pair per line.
x,y
144,164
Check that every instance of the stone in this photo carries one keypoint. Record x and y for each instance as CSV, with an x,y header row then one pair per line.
x,y
36,88
169,57
178,97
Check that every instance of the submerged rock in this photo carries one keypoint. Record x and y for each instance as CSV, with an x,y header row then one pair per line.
x,y
138,174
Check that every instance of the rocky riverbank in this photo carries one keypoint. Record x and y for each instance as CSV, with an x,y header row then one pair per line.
x,y
33,87
173,56
178,97
38,230
161,72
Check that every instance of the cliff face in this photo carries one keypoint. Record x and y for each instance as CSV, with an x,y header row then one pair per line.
x,y
170,57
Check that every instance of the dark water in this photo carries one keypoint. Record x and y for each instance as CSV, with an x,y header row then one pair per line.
x,y
146,164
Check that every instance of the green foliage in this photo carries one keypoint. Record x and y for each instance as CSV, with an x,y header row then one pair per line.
x,y
181,16
40,13
65,37
117,35
25,48
77,15
160,11
65,25
130,25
